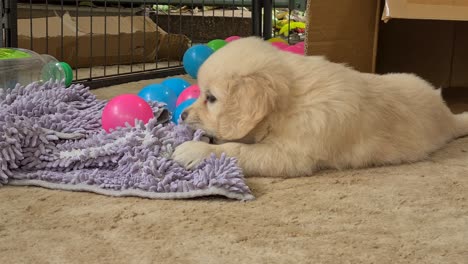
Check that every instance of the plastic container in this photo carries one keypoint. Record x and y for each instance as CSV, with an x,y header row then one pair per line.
x,y
26,66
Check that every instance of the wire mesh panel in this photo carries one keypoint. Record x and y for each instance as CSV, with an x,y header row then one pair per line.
x,y
289,22
111,41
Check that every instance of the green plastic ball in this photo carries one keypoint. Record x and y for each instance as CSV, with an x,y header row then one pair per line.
x,y
216,44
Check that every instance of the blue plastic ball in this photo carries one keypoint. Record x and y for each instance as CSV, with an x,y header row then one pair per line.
x,y
181,108
159,93
194,57
176,84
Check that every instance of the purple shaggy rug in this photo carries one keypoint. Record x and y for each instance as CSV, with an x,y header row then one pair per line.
x,y
51,136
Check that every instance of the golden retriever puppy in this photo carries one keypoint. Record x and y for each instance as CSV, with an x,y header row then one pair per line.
x,y
286,115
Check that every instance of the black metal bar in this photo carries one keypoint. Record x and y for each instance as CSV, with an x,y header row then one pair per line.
x,y
131,38
267,17
168,31
274,17
47,25
290,8
257,17
144,34
233,14
90,42
2,29
233,19
3,23
191,23
242,12
61,30
156,57
30,26
10,27
118,43
203,15
224,14
105,38
13,24
180,29
76,39
125,78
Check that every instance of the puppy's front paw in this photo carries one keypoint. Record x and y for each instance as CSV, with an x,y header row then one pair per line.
x,y
191,153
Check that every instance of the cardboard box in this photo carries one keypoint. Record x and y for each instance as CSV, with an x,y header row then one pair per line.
x,y
362,34
419,46
459,76
426,9
85,42
344,31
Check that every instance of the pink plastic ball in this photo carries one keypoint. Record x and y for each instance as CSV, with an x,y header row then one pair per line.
x,y
300,44
295,49
232,38
191,92
280,45
123,109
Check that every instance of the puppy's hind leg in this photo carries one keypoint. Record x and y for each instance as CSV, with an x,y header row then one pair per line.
x,y
461,123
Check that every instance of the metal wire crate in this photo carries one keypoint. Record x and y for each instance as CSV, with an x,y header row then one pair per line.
x,y
115,41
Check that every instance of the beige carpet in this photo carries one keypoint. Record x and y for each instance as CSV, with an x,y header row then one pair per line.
x,y
416,213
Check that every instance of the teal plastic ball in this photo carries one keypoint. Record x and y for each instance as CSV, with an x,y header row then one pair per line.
x,y
194,57
159,93
177,85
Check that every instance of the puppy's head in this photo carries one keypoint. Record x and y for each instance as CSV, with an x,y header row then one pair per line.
x,y
240,84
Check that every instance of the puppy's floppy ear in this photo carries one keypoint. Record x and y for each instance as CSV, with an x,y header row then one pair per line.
x,y
250,99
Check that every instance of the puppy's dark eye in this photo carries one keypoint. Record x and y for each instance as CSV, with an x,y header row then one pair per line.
x,y
210,98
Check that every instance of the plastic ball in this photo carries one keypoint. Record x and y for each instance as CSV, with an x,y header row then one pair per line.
x,y
125,109
159,93
216,44
280,45
273,40
181,108
192,92
295,49
194,57
300,44
176,84
232,38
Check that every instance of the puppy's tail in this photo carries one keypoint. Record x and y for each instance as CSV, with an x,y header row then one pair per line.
x,y
461,124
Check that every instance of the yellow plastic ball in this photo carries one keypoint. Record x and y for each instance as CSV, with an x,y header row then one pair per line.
x,y
277,40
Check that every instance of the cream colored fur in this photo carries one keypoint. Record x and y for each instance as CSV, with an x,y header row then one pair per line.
x,y
286,115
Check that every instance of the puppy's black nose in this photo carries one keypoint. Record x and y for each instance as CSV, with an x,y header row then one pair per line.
x,y
184,115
